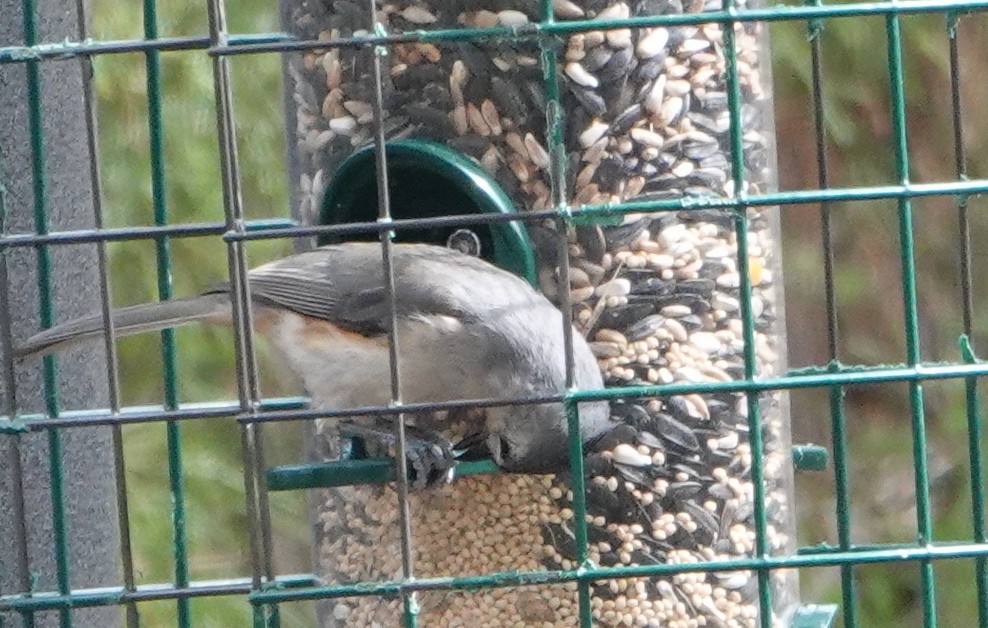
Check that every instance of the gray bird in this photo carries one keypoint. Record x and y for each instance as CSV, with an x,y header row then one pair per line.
x,y
466,330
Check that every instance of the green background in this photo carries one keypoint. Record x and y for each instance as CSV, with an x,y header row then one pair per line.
x,y
859,127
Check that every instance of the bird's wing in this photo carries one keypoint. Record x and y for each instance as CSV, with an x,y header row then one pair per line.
x,y
345,285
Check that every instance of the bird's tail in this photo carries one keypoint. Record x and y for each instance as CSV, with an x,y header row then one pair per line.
x,y
129,320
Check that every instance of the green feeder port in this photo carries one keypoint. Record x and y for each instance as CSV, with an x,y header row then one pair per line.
x,y
428,180
810,457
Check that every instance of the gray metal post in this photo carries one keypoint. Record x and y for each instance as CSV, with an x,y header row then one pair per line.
x,y
87,456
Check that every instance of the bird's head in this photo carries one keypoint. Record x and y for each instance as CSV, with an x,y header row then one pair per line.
x,y
533,438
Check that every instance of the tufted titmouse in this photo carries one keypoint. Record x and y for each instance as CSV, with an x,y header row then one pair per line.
x,y
466,330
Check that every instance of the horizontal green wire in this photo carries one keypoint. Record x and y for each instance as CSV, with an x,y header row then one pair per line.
x,y
290,408
280,228
591,574
304,587
107,596
67,49
182,230
958,189
273,42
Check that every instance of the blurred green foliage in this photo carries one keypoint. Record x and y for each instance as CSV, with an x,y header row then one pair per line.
x,y
857,119
869,291
193,194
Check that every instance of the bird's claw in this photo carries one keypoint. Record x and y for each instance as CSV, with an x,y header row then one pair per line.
x,y
429,464
429,458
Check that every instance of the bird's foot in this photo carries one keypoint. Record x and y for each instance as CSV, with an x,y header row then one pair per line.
x,y
429,456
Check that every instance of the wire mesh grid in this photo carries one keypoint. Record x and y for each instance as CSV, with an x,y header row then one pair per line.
x,y
264,589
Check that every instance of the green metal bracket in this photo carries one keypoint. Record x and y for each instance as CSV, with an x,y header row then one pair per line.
x,y
810,457
428,180
815,616
351,472
381,470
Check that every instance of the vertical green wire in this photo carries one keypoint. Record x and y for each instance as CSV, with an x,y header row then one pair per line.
x,y
974,438
974,432
579,510
747,317
16,469
554,112
168,354
125,532
924,521
838,418
842,489
557,183
50,373
248,387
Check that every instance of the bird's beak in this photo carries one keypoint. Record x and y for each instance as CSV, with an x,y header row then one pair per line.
x,y
494,445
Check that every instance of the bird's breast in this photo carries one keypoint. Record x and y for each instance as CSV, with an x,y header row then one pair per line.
x,y
439,360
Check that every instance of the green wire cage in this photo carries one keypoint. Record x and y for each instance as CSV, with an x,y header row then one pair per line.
x,y
619,155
